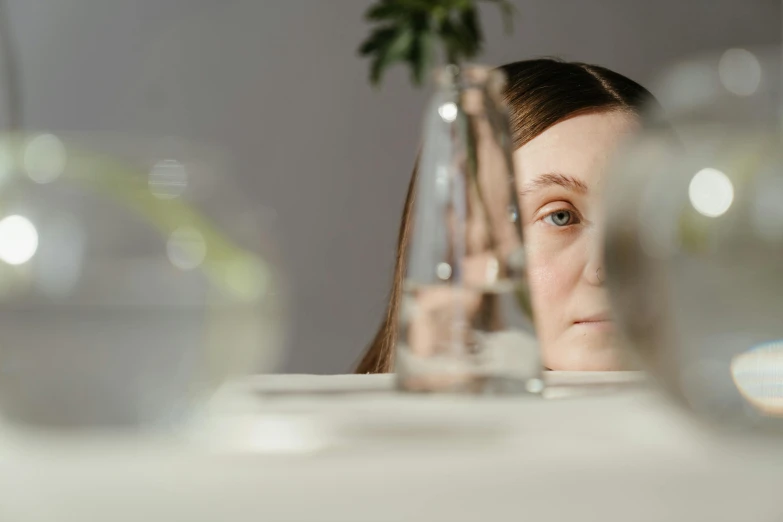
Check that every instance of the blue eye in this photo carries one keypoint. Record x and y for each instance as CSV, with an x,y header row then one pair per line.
x,y
561,218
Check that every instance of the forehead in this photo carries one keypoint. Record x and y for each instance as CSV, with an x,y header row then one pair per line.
x,y
578,146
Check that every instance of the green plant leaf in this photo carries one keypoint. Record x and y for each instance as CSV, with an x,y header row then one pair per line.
x,y
411,30
463,5
422,57
385,11
457,40
470,21
379,39
393,50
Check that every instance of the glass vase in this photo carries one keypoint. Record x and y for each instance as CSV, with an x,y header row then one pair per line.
x,y
695,238
465,321
134,281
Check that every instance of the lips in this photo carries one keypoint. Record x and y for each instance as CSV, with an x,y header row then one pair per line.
x,y
598,318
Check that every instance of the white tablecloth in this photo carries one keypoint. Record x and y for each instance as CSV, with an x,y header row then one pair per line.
x,y
345,448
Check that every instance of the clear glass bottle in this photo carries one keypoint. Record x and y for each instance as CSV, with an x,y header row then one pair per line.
x,y
465,320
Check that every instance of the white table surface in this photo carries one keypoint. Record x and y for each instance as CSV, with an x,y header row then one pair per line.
x,y
345,448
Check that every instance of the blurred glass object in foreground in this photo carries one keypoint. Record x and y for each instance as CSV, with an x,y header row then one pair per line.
x,y
465,319
695,238
134,280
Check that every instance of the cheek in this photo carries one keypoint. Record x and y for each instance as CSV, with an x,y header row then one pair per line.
x,y
552,274
547,293
548,284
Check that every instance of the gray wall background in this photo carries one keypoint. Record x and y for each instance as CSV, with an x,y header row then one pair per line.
x,y
278,86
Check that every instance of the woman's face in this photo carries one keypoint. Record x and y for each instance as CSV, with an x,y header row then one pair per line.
x,y
561,176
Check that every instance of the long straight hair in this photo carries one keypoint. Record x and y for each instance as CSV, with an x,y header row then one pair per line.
x,y
539,93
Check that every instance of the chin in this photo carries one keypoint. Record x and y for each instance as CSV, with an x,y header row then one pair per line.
x,y
585,353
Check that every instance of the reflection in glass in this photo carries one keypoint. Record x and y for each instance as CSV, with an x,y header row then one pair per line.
x,y
758,375
465,317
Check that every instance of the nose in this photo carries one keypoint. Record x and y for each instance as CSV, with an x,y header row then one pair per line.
x,y
594,275
594,268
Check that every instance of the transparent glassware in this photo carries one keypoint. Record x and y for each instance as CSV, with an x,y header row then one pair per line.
x,y
135,279
465,320
695,239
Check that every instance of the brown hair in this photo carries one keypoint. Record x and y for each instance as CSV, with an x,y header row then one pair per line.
x,y
539,93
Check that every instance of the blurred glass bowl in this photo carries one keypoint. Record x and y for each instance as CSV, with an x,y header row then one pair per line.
x,y
694,247
135,279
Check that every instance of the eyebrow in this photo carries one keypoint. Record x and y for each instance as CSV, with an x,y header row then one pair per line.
x,y
553,178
